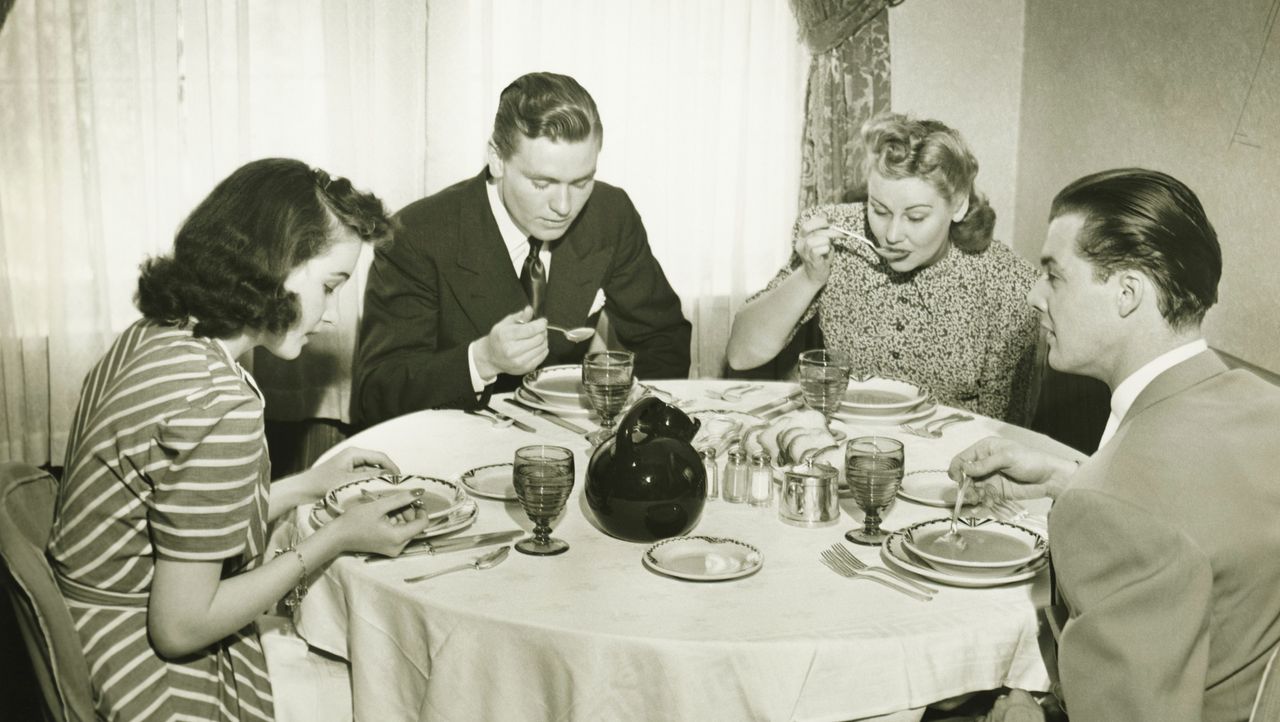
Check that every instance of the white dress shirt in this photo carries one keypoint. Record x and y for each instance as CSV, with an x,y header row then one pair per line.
x,y
1127,392
517,244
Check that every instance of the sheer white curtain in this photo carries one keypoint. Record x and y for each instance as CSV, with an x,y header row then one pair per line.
x,y
119,116
702,105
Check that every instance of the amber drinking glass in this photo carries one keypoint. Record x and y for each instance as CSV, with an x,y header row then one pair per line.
x,y
607,377
873,468
543,481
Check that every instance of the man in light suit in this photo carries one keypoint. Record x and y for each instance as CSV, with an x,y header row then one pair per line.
x,y
457,306
1166,543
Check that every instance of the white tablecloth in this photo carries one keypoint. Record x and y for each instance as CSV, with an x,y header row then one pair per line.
x,y
594,635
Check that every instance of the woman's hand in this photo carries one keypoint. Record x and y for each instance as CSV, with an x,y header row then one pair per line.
x,y
813,246
1018,471
346,466
380,526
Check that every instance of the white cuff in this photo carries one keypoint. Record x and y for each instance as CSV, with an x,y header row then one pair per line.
x,y
478,382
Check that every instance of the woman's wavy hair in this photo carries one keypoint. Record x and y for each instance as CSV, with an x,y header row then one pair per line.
x,y
899,146
232,255
544,105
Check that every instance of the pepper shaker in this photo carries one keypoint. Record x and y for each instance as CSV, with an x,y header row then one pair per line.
x,y
760,490
712,466
737,477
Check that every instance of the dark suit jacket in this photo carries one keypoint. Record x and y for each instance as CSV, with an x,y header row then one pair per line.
x,y
1166,550
447,278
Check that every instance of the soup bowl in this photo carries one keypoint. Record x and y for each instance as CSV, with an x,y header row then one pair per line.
x,y
991,547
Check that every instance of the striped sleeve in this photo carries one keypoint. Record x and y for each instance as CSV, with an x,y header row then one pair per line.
x,y
203,503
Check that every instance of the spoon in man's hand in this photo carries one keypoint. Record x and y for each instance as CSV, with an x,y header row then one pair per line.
x,y
574,335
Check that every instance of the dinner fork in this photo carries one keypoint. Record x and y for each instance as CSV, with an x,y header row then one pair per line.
x,y
843,553
932,429
838,565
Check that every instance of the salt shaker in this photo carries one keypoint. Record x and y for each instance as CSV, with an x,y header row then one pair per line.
x,y
712,466
737,477
760,489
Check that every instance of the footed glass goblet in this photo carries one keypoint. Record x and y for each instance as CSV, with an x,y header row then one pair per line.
x,y
873,468
543,480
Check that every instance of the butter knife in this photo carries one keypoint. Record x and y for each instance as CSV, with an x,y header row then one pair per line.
x,y
450,545
514,421
544,414
788,399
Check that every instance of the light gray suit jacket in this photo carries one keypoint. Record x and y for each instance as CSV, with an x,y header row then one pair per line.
x,y
1166,552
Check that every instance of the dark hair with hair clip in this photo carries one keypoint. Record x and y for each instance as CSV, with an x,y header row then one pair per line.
x,y
1145,220
899,146
233,253
544,105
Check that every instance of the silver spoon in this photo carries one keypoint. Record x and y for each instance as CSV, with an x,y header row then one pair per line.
x,y
953,536
855,236
484,561
574,335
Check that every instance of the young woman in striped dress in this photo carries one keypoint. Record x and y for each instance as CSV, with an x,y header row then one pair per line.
x,y
158,544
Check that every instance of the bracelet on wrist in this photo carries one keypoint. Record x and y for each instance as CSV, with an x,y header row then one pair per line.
x,y
293,599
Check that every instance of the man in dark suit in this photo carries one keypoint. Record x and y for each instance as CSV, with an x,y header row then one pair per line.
x,y
457,306
1165,542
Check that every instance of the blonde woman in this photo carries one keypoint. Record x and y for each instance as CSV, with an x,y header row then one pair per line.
x,y
936,302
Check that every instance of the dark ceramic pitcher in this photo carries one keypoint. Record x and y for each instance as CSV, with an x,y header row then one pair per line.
x,y
647,482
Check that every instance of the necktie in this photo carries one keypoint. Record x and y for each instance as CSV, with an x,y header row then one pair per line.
x,y
533,276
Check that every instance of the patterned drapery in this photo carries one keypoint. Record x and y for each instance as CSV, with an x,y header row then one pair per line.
x,y
848,83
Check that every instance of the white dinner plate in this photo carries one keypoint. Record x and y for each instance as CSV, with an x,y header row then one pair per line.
x,y
896,555
493,481
562,382
562,407
439,497
915,413
931,487
703,558
460,518
721,428
881,397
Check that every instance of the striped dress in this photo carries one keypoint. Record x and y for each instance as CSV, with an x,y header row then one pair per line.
x,y
167,459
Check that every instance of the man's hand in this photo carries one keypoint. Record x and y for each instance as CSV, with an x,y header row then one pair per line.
x,y
996,460
515,345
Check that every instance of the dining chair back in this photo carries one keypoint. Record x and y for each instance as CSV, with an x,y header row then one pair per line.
x,y
27,499
1266,706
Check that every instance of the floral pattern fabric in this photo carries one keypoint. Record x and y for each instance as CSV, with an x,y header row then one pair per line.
x,y
962,327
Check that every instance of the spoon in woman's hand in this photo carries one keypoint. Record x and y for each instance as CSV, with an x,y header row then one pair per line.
x,y
574,335
855,236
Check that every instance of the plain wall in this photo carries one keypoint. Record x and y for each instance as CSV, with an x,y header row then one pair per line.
x,y
1188,87
960,62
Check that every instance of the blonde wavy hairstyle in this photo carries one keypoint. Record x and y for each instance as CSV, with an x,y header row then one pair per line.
x,y
899,146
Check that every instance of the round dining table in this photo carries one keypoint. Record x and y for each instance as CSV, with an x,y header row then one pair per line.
x,y
596,634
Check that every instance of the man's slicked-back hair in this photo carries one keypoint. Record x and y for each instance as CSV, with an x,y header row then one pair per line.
x,y
1145,220
544,105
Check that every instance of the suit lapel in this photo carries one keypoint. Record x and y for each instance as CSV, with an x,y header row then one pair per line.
x,y
484,282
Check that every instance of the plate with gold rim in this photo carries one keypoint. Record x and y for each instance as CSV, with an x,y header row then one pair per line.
x,y
703,558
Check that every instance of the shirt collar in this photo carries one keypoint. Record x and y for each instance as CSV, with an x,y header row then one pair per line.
x,y
1127,392
517,243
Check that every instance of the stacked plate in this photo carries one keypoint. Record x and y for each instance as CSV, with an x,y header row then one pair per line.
x,y
557,389
993,552
880,400
445,503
